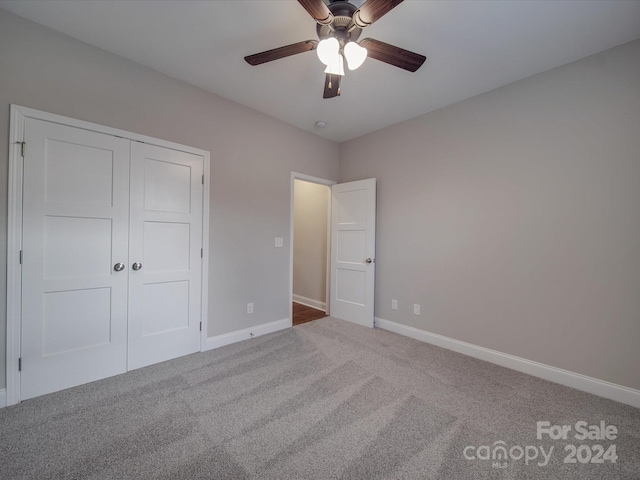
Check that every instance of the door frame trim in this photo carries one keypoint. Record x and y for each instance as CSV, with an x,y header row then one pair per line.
x,y
18,114
322,181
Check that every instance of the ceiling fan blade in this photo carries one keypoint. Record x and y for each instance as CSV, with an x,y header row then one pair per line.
x,y
372,10
318,10
396,56
277,53
331,86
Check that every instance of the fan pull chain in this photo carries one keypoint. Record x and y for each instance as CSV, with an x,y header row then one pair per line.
x,y
330,86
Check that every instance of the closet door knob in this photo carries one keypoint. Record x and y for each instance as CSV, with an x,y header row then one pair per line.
x,y
136,266
118,267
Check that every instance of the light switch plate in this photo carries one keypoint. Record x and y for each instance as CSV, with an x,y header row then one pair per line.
x,y
279,242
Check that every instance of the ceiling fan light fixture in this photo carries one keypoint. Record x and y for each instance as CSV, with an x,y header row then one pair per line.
x,y
328,50
337,67
339,24
355,54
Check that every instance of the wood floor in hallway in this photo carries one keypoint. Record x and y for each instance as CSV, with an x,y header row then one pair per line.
x,y
303,314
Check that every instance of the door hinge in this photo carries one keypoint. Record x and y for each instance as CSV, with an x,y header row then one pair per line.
x,y
22,148
203,179
20,257
20,364
200,326
201,253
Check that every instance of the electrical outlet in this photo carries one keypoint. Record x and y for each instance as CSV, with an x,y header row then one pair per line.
x,y
250,308
416,309
279,243
394,304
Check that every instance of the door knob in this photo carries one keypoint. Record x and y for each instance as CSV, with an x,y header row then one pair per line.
x,y
136,266
118,267
369,260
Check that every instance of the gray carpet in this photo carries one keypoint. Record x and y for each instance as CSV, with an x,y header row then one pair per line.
x,y
324,400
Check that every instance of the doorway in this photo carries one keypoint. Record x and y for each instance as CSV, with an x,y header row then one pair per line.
x,y
310,240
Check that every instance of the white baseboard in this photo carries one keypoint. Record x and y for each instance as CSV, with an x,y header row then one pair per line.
x,y
601,388
3,398
310,302
246,334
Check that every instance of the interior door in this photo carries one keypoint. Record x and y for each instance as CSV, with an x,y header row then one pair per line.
x,y
165,254
75,230
353,245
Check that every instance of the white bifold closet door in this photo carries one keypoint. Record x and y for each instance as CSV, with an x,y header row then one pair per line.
x,y
166,240
93,206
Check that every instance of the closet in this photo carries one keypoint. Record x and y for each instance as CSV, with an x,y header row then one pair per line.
x,y
111,255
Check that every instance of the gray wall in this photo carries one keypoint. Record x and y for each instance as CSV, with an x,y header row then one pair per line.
x,y
513,217
311,210
252,156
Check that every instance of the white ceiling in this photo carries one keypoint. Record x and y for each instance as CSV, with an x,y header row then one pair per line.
x,y
471,47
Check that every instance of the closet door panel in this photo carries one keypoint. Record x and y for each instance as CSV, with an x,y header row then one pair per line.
x,y
166,238
75,229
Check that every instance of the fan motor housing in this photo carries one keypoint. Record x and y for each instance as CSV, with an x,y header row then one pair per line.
x,y
342,26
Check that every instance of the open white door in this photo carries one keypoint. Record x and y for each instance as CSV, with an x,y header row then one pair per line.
x,y
353,246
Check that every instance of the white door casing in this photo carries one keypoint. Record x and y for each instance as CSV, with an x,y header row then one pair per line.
x,y
75,222
166,240
353,228
71,214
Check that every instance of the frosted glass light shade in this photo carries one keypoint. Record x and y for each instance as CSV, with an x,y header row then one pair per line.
x,y
355,54
337,67
328,50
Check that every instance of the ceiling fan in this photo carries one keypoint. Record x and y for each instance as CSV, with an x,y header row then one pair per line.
x,y
339,25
